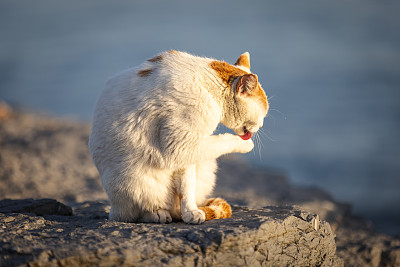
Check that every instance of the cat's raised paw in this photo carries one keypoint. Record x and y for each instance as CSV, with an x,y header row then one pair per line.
x,y
245,146
158,216
194,216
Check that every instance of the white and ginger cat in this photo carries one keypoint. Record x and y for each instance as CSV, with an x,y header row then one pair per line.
x,y
152,136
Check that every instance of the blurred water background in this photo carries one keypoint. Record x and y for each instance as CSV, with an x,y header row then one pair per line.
x,y
330,68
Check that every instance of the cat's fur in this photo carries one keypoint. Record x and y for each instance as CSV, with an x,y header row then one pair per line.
x,y
152,139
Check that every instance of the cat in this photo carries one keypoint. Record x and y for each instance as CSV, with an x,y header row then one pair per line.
x,y
152,135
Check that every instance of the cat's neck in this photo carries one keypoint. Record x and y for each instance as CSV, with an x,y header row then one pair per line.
x,y
220,78
220,92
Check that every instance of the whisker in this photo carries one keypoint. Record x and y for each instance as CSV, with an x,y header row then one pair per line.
x,y
270,97
259,145
262,133
280,112
254,150
272,117
265,135
255,144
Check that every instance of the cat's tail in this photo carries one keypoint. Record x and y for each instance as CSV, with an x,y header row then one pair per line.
x,y
216,208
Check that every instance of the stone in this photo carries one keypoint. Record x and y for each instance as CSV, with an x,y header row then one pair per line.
x,y
358,245
38,207
269,236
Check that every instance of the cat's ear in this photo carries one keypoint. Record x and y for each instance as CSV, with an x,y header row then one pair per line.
x,y
243,60
246,85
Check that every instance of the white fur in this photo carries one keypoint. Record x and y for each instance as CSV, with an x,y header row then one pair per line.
x,y
152,139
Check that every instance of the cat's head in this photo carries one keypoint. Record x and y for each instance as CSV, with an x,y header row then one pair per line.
x,y
247,103
251,106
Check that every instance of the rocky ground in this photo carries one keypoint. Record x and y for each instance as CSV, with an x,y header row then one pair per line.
x,y
41,233
47,157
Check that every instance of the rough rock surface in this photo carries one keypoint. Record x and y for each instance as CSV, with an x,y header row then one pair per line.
x,y
358,245
47,157
270,236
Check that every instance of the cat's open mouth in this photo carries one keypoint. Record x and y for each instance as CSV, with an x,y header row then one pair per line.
x,y
247,134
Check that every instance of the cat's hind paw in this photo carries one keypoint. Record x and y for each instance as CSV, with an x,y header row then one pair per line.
x,y
194,217
158,216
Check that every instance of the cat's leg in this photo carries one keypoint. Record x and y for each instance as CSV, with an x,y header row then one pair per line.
x,y
214,208
194,150
123,209
205,180
140,196
215,146
187,189
196,184
175,212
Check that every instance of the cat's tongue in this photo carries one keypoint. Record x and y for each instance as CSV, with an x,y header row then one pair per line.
x,y
246,136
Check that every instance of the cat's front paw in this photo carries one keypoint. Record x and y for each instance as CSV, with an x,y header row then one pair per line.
x,y
245,146
194,216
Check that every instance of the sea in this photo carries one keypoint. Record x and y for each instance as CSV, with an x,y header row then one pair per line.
x,y
331,70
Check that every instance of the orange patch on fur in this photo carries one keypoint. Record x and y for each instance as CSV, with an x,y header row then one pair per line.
x,y
209,212
209,201
226,71
156,59
144,73
217,208
215,202
227,211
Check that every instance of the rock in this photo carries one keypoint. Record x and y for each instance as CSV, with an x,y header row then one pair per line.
x,y
38,207
358,245
271,236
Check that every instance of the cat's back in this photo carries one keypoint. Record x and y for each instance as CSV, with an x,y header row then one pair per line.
x,y
157,76
155,82
169,78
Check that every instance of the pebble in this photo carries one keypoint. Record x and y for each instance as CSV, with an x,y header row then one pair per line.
x,y
9,219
